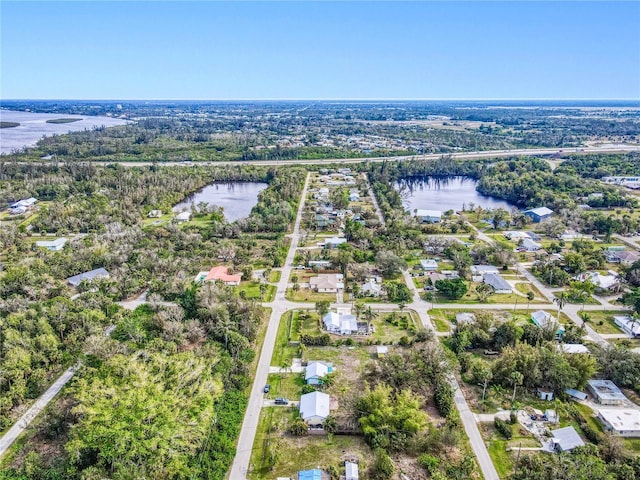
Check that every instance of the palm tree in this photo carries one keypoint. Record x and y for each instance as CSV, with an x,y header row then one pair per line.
x,y
585,318
359,308
530,296
370,314
561,300
516,379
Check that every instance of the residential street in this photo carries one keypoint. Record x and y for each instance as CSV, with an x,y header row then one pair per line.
x,y
279,306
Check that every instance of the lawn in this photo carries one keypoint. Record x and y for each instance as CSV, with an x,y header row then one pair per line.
x,y
306,295
602,321
283,351
252,291
274,276
502,459
299,453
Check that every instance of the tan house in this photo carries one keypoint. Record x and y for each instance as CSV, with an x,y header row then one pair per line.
x,y
327,283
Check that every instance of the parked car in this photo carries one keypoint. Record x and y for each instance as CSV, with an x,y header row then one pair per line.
x,y
266,388
281,401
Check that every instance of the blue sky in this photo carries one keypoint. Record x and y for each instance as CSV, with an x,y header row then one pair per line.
x,y
338,50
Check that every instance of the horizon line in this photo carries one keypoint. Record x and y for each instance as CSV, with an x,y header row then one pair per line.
x,y
322,99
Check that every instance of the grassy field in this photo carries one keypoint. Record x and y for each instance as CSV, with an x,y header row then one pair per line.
x,y
274,276
252,291
306,295
299,453
602,321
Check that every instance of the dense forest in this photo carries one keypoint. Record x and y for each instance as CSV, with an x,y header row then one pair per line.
x,y
188,352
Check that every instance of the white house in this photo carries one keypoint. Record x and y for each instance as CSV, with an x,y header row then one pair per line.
x,y
316,371
573,348
628,324
606,392
314,408
516,235
340,323
479,271
624,422
319,263
332,242
22,206
327,283
566,439
154,214
429,265
499,284
354,197
351,471
87,276
529,245
371,288
52,245
183,217
465,317
428,216
602,282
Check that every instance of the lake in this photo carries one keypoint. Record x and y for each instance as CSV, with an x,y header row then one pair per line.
x,y
445,193
34,126
236,198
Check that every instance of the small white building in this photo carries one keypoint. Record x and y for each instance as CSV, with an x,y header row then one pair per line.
x,y
429,265
314,408
183,217
602,282
624,422
316,371
52,245
154,214
515,235
465,318
628,325
573,348
529,245
351,471
319,263
606,392
566,439
332,242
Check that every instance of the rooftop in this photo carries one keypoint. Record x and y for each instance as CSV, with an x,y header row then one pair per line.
x,y
567,438
621,419
606,390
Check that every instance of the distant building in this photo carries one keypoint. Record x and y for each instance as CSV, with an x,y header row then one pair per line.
x,y
465,318
154,214
516,235
606,392
479,271
88,276
566,439
315,474
314,408
319,263
499,284
351,471
219,274
316,371
601,282
340,323
327,283
22,206
624,422
333,242
628,324
371,288
545,394
625,258
382,350
428,216
573,348
629,182
52,245
183,217
529,245
429,265
538,214
545,320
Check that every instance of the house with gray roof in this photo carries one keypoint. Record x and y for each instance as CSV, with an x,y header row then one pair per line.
x,y
87,276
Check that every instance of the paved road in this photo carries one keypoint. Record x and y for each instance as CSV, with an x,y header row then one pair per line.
x,y
617,148
14,432
468,418
279,306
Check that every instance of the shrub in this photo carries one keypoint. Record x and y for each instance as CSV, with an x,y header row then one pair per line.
x,y
503,428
